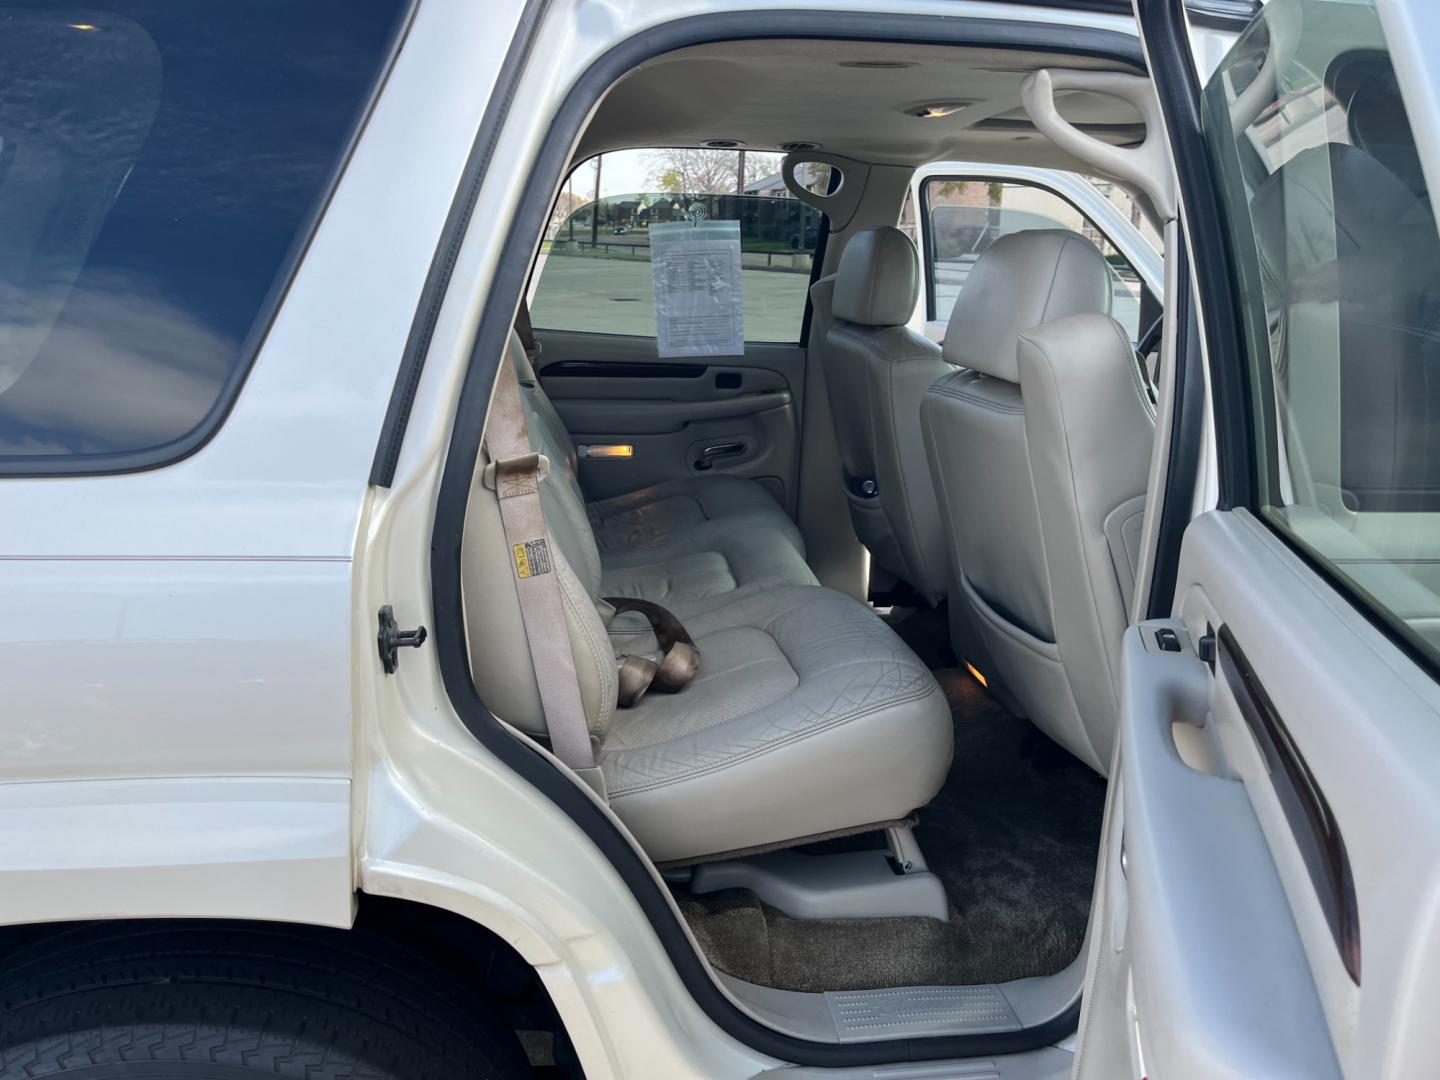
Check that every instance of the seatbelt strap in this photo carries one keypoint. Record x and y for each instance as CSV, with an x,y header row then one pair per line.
x,y
679,658
517,471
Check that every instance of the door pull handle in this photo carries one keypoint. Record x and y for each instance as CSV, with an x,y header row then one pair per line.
x,y
718,450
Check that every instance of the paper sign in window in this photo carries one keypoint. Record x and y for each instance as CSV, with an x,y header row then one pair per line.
x,y
697,288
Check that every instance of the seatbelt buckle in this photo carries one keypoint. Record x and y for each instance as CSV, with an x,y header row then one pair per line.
x,y
518,475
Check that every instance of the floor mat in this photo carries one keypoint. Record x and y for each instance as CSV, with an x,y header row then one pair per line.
x,y
1013,835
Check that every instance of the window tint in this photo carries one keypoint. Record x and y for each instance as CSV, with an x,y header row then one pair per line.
x,y
966,216
595,274
1338,264
159,163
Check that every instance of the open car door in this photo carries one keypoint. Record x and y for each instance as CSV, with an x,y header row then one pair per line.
x,y
1268,898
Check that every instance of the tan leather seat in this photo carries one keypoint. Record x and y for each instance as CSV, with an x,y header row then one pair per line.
x,y
1040,451
808,715
877,371
680,543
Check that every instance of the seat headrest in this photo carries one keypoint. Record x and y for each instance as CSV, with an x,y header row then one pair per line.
x,y
1020,281
878,280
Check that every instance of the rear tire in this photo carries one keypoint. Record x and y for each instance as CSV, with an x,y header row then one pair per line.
x,y
158,1001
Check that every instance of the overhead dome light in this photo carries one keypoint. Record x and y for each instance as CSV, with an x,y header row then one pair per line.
x,y
934,110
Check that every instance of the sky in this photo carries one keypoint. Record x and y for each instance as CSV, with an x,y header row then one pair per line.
x,y
623,173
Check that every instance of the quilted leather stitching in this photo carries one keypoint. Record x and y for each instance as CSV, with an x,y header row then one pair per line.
x,y
776,744
819,635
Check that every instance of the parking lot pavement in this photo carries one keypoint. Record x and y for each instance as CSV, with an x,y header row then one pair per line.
x,y
617,296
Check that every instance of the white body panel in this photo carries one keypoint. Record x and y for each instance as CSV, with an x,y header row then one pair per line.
x,y
190,847
177,659
136,668
195,721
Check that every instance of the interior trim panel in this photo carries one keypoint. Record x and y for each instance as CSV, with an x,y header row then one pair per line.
x,y
1317,833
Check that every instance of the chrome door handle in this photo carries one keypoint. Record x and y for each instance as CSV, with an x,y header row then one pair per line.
x,y
718,450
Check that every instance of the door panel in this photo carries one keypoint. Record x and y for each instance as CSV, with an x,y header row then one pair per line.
x,y
1271,890
643,415
733,414
593,303
1228,951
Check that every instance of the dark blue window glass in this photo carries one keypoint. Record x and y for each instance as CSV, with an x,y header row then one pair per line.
x,y
161,163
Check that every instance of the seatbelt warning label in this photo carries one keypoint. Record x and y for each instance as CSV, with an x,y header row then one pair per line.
x,y
532,558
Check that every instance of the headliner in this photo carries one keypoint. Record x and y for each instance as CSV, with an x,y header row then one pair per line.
x,y
765,93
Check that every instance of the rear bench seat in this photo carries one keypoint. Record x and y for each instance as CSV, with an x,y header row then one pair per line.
x,y
685,544
808,715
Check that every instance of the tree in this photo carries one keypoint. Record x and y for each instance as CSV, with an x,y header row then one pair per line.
x,y
814,176
565,205
759,166
688,171
964,193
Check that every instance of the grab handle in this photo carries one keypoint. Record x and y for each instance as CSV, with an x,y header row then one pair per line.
x,y
1146,166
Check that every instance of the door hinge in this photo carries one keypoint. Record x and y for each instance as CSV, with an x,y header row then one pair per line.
x,y
392,639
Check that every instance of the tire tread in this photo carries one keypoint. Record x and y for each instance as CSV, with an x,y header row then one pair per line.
x,y
281,1002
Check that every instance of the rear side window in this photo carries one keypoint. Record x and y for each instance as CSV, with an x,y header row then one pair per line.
x,y
160,166
595,274
1338,262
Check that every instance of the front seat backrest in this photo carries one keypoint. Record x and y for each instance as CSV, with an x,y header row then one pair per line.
x,y
1040,451
877,371
1347,257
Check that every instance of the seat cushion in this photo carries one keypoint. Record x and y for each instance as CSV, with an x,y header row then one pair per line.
x,y
668,515
808,715
692,544
690,584
715,565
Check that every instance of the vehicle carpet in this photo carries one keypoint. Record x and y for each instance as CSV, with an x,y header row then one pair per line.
x,y
1013,836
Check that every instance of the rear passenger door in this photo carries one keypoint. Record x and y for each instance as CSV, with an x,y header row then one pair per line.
x,y
727,399
962,211
1267,899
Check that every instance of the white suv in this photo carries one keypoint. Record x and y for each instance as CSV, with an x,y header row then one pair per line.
x,y
964,607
